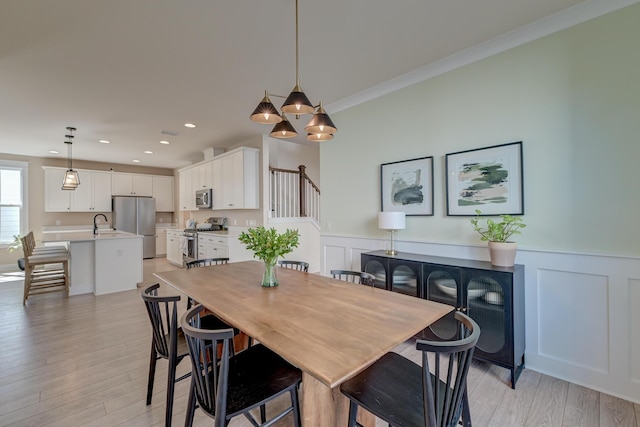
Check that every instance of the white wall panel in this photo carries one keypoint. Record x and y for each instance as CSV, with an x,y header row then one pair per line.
x,y
573,318
634,334
335,257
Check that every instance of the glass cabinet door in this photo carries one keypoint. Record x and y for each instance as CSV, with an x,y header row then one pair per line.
x,y
376,268
442,284
405,277
485,299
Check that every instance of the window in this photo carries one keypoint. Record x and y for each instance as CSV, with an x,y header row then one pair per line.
x,y
13,215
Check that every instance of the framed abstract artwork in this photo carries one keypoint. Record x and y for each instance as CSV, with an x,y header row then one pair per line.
x,y
488,179
407,186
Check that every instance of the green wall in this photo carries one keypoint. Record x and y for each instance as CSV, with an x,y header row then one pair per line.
x,y
573,98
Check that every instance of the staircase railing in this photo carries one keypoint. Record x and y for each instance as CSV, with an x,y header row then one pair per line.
x,y
293,194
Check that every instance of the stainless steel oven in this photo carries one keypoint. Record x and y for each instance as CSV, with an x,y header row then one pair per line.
x,y
191,248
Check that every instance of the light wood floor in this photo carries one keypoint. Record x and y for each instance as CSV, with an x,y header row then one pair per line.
x,y
83,361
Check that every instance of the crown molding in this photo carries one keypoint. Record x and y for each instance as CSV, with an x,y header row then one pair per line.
x,y
569,17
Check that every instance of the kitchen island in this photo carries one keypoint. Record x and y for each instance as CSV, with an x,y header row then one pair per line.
x,y
107,262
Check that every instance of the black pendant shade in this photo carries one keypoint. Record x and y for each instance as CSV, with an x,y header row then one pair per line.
x,y
320,123
266,113
297,102
320,128
284,129
319,137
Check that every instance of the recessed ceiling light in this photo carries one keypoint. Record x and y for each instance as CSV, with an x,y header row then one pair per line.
x,y
104,141
54,152
165,142
148,152
135,161
189,125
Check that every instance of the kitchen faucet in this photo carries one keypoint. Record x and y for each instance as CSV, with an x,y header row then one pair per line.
x,y
95,226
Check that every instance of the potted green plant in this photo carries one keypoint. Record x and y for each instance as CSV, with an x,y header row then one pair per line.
x,y
15,245
502,251
267,245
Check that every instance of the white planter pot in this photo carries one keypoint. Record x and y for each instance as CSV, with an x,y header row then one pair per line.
x,y
503,254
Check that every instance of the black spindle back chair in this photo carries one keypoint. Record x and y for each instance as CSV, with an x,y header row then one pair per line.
x,y
167,342
402,393
226,385
294,265
359,277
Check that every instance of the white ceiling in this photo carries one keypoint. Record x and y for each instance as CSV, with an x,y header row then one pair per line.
x,y
126,70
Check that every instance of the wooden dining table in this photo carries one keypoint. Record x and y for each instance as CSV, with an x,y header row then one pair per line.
x,y
328,328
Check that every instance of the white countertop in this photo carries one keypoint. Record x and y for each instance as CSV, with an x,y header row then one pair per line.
x,y
166,225
85,236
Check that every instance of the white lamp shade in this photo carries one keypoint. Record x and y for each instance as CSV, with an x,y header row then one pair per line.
x,y
392,220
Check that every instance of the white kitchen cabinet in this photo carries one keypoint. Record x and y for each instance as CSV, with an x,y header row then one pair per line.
x,y
55,198
163,193
174,249
161,241
216,190
236,179
92,195
191,179
212,246
186,193
128,184
202,176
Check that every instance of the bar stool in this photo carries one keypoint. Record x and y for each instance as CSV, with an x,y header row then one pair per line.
x,y
44,271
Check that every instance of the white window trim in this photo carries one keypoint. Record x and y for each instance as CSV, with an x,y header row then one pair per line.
x,y
24,166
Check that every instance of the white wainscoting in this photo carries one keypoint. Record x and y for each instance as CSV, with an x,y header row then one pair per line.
x,y
582,311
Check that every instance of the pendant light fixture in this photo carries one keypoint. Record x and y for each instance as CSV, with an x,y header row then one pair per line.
x,y
319,128
284,129
71,178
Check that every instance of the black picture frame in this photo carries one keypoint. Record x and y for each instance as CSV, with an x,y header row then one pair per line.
x,y
489,179
407,186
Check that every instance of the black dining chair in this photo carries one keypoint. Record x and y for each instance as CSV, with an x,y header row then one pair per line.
x,y
294,265
167,340
225,386
205,262
359,277
402,393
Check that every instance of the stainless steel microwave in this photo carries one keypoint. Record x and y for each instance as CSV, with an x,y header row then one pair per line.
x,y
203,199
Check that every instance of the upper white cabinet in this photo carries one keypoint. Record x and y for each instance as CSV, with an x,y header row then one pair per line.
x,y
55,198
163,193
93,193
235,179
202,176
187,194
96,188
125,184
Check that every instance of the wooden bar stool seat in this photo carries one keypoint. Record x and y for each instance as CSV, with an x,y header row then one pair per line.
x,y
44,272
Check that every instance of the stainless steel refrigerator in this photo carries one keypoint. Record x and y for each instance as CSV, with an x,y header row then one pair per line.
x,y
137,215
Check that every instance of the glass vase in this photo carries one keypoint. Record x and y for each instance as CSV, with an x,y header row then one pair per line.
x,y
269,279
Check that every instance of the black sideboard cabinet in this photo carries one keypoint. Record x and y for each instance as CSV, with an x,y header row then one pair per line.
x,y
492,296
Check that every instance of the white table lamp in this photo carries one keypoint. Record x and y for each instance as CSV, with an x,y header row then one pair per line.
x,y
391,221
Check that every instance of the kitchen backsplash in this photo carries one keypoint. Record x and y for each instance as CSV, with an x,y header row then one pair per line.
x,y
241,218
